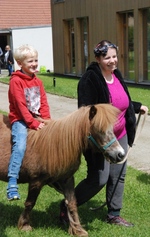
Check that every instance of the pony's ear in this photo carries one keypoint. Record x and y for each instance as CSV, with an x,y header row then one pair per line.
x,y
92,112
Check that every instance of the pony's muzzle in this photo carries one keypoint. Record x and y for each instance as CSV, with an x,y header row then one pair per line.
x,y
120,156
115,157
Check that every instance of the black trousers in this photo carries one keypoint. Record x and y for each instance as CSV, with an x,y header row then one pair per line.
x,y
100,173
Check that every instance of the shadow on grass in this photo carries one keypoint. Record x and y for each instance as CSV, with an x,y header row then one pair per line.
x,y
144,178
85,214
38,219
88,216
49,218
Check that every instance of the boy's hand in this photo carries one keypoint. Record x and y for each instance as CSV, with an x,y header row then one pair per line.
x,y
41,125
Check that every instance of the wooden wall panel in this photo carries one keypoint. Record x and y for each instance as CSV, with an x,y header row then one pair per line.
x,y
104,23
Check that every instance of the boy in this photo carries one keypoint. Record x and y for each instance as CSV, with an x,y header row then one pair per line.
x,y
28,101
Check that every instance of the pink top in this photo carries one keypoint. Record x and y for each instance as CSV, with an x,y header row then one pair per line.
x,y
119,99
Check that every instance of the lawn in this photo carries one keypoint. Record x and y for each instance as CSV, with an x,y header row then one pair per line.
x,y
45,215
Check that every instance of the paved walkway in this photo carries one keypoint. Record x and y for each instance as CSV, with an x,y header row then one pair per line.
x,y
139,156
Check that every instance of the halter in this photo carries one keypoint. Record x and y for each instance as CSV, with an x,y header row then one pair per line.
x,y
101,148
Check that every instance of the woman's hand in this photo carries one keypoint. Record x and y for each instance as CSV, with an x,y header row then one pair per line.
x,y
143,109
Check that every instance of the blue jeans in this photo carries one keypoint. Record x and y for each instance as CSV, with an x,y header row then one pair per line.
x,y
10,68
19,140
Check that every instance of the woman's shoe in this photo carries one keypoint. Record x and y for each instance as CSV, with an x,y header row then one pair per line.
x,y
117,220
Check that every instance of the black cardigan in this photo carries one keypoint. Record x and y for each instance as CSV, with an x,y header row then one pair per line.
x,y
10,58
92,89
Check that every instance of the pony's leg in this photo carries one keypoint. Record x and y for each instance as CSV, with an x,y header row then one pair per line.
x,y
75,227
33,192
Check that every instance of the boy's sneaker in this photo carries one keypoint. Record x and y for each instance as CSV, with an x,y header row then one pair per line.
x,y
12,193
117,220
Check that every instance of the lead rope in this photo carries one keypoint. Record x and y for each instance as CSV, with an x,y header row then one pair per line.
x,y
136,137
137,134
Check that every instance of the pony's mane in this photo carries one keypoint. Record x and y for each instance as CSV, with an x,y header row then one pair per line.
x,y
61,141
106,116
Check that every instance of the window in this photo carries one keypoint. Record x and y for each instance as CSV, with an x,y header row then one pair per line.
x,y
85,41
72,45
128,19
57,1
69,47
146,44
125,30
134,58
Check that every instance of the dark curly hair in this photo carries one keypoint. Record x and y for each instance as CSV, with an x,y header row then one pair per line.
x,y
102,48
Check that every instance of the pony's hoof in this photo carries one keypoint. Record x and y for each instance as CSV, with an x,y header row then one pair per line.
x,y
26,228
80,232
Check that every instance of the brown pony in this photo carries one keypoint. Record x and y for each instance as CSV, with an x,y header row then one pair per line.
x,y
53,155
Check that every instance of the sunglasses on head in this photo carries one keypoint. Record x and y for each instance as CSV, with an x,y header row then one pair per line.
x,y
103,50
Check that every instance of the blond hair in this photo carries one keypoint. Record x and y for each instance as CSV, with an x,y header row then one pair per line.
x,y
24,51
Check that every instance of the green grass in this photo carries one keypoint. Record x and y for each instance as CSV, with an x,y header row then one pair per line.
x,y
140,94
63,86
45,215
68,87
3,112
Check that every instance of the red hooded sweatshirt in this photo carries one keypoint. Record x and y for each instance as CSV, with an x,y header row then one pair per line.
x,y
27,99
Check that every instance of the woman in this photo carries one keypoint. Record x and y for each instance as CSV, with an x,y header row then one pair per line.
x,y
103,83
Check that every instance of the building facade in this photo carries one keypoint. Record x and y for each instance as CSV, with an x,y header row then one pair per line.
x,y
27,22
78,25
